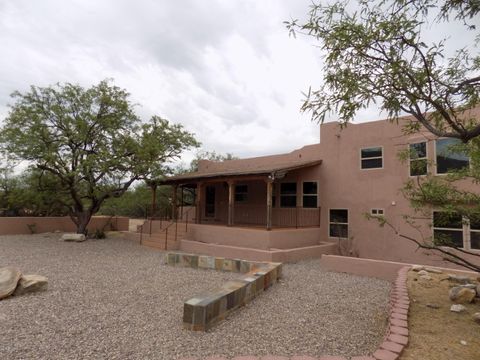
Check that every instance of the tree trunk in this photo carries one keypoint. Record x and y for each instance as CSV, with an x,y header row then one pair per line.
x,y
83,219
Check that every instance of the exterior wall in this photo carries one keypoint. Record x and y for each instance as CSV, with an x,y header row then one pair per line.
x,y
22,225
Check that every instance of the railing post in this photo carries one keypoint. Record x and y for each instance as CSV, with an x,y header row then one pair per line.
x,y
141,233
269,203
166,238
151,226
296,217
186,219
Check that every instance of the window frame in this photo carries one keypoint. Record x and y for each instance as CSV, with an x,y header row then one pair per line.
x,y
330,222
466,231
310,195
372,158
280,195
377,210
435,157
245,194
417,159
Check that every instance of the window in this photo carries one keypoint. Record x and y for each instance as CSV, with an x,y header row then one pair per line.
x,y
449,158
418,159
310,194
453,230
241,192
372,158
288,194
338,223
210,201
377,212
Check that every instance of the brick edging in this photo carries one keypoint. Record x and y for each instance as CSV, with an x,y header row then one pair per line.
x,y
395,340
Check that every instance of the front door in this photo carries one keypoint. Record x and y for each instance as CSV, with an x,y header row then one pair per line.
x,y
210,201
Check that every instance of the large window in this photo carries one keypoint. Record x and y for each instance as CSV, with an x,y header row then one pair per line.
x,y
371,158
310,194
418,159
241,193
453,230
288,194
338,223
449,158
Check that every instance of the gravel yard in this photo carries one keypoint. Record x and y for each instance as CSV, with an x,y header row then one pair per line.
x,y
114,299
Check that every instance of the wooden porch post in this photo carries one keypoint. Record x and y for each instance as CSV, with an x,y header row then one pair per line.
x,y
174,201
198,203
269,204
231,201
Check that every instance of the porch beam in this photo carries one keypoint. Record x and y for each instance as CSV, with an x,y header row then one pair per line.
x,y
269,203
231,201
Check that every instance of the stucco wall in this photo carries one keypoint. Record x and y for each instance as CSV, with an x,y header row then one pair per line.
x,y
22,225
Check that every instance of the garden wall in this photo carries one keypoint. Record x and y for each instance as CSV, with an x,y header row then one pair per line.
x,y
29,225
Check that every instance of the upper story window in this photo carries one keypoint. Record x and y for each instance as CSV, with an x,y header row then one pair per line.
x,y
449,158
310,194
241,193
418,159
371,158
288,194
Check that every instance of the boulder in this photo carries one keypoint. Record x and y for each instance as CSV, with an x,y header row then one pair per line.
x,y
31,283
460,279
425,277
417,267
469,286
9,278
457,308
73,237
422,272
461,295
478,290
476,317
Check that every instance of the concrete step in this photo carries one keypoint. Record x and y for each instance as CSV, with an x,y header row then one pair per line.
x,y
275,255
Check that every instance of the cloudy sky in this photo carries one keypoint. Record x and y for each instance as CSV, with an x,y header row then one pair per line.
x,y
227,70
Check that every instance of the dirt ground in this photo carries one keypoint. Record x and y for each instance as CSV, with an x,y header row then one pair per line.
x,y
436,334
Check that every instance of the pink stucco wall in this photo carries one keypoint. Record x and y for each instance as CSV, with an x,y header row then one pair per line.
x,y
20,225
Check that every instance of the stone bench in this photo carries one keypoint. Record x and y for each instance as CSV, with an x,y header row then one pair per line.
x,y
201,312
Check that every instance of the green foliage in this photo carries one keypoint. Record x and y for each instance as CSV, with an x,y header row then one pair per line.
x,y
208,155
376,53
89,142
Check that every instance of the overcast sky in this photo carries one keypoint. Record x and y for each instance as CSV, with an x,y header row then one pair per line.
x,y
227,70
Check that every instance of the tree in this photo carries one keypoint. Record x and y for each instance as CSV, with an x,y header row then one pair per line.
x,y
375,53
209,155
90,141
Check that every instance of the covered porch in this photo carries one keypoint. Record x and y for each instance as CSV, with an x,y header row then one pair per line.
x,y
268,197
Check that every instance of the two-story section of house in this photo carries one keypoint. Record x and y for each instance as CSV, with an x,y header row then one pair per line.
x,y
314,200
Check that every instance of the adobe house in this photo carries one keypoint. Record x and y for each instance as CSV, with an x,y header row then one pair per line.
x,y
313,200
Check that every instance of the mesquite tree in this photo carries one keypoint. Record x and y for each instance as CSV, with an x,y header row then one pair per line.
x,y
89,140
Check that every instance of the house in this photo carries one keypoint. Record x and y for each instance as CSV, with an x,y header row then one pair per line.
x,y
313,200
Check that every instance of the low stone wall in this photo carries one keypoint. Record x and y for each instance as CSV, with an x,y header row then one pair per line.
x,y
29,225
202,312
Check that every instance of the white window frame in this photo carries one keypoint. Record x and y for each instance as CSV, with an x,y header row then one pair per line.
x,y
435,157
417,159
316,194
372,158
376,212
465,232
329,223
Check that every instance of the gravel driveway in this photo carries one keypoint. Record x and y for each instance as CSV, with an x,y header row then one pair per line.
x,y
113,299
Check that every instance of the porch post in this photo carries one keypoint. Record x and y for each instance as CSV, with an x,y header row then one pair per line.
x,y
198,203
231,201
269,203
174,201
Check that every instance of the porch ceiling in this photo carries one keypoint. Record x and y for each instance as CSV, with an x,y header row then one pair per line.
x,y
253,170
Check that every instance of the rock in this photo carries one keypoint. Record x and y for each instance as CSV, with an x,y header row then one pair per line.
x,y
460,279
425,277
461,295
417,267
434,271
9,277
422,272
478,290
457,308
463,342
31,283
476,317
433,306
73,237
469,286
